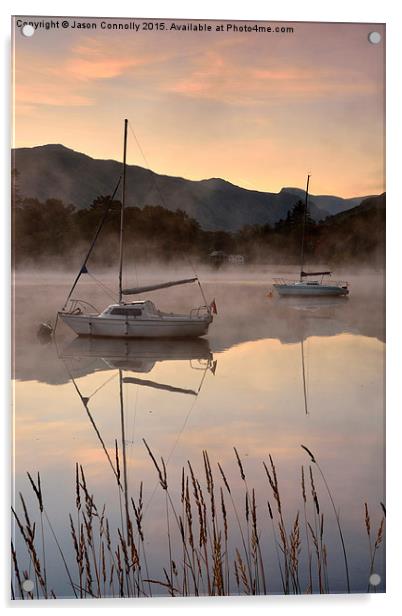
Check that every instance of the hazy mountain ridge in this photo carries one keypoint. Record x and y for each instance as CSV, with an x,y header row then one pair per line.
x,y
328,203
54,171
356,234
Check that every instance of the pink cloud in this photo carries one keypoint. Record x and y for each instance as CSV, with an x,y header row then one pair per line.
x,y
91,60
228,79
55,81
49,94
100,68
280,75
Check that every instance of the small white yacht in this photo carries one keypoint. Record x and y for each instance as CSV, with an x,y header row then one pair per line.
x,y
136,319
311,287
305,287
139,319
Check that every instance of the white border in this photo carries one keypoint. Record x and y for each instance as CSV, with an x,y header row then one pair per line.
x,y
285,10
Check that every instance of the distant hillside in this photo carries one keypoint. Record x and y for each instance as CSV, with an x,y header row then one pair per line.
x,y
54,171
326,203
355,234
371,210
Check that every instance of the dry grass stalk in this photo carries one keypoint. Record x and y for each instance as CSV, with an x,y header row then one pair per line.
x,y
294,541
239,462
224,478
242,573
109,564
273,482
314,492
304,495
161,471
318,555
218,579
225,534
17,570
378,541
313,459
28,534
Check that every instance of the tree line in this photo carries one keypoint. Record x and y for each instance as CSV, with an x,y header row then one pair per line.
x,y
52,230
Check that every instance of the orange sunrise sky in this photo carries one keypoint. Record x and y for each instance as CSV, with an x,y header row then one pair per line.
x,y
257,109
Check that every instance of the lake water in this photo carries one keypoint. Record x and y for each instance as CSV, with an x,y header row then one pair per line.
x,y
272,374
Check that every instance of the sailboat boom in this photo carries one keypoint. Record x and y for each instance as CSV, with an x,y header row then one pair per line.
x,y
305,274
154,287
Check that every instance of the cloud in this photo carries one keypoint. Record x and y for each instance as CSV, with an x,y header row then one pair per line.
x,y
230,80
47,93
66,80
98,68
92,60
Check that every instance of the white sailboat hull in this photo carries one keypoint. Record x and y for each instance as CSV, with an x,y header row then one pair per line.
x,y
164,327
309,290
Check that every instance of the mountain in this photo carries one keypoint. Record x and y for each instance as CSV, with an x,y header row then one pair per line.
x,y
327,204
356,234
371,210
54,171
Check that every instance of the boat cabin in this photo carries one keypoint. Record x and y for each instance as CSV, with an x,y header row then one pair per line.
x,y
137,309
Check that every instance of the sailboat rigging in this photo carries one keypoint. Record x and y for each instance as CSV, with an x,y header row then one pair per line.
x,y
135,319
309,287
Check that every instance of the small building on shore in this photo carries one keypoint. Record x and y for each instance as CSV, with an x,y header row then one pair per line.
x,y
219,257
236,259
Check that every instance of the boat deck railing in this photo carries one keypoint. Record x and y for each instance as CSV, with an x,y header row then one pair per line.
x,y
79,306
292,282
197,313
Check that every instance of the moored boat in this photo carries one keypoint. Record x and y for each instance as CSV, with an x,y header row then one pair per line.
x,y
312,288
318,285
139,319
133,319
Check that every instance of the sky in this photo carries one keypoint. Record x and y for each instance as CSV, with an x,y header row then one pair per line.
x,y
260,110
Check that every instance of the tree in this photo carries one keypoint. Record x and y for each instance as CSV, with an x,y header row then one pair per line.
x,y
15,188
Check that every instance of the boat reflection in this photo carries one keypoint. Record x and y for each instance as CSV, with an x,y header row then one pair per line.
x,y
87,355
313,304
125,359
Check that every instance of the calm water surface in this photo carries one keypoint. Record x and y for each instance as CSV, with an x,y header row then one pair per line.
x,y
244,386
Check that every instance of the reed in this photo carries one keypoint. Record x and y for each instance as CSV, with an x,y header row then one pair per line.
x,y
273,482
304,497
216,540
335,512
377,543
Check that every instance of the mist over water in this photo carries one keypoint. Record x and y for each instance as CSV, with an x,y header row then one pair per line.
x,y
255,398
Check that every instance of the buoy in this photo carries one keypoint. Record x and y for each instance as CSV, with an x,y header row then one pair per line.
x,y
45,331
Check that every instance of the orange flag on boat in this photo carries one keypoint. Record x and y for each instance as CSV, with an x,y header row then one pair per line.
x,y
213,308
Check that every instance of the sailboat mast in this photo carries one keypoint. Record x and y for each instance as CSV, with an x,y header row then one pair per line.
x,y
304,230
304,378
123,445
123,203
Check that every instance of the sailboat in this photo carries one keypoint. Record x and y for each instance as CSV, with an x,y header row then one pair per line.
x,y
310,283
139,318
